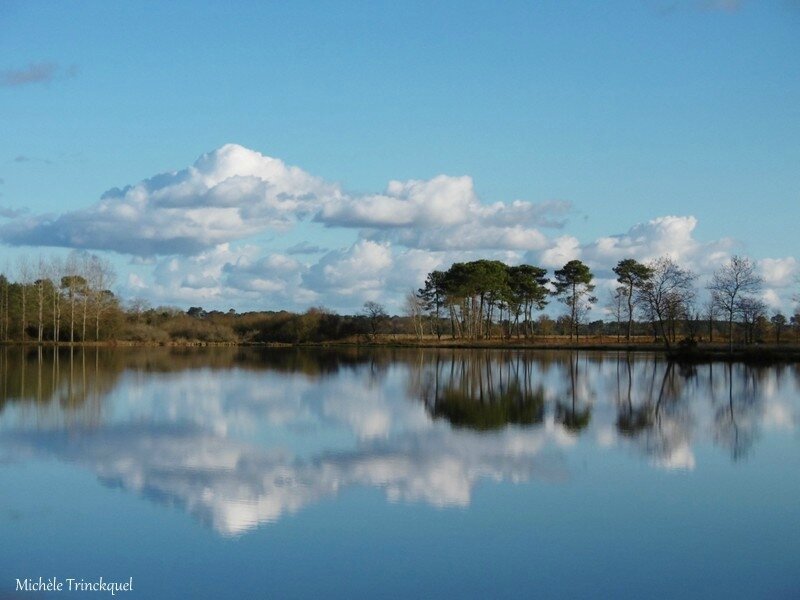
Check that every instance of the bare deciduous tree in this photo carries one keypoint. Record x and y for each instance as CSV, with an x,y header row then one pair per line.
x,y
666,294
415,309
376,315
25,278
616,304
730,284
101,276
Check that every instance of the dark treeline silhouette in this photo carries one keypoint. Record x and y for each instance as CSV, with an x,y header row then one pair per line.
x,y
70,301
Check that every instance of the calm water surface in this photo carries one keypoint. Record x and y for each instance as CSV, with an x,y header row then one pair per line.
x,y
228,473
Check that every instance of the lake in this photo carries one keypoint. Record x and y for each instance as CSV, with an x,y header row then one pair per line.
x,y
248,473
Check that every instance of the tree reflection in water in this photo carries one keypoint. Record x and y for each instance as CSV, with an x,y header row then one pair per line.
x,y
474,390
573,414
631,420
481,390
196,427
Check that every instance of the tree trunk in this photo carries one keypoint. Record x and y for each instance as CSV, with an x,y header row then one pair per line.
x,y
630,313
24,320
730,332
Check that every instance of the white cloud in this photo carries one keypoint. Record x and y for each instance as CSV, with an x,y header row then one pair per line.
x,y
184,227
360,270
671,236
475,235
234,193
440,201
561,251
779,272
229,194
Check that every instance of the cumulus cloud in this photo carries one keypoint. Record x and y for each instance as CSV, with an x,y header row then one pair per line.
x,y
275,278
474,235
441,201
671,236
444,213
360,270
229,194
779,272
193,279
234,193
562,250
187,225
224,277
384,271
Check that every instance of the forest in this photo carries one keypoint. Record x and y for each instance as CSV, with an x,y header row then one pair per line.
x,y
69,301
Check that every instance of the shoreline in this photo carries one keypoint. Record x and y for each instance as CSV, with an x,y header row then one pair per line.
x,y
703,352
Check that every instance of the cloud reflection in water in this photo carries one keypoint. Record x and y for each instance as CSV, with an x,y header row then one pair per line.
x,y
240,443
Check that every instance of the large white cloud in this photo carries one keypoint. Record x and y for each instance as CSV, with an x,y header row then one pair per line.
x,y
198,236
359,271
671,236
234,193
228,194
444,213
342,279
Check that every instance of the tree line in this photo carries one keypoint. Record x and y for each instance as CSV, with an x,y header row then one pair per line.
x,y
54,299
69,300
486,298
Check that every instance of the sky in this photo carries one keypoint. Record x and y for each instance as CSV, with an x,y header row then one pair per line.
x,y
286,155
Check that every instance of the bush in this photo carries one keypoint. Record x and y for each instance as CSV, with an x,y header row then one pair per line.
x,y
144,333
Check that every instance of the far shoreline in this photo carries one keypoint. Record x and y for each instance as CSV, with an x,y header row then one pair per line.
x,y
703,352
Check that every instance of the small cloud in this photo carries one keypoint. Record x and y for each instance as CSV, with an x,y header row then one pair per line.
x,y
305,248
12,213
721,5
43,72
22,158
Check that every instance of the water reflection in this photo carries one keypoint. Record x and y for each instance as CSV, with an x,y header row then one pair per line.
x,y
239,437
474,390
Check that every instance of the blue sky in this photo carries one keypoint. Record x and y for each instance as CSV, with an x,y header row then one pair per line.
x,y
603,118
